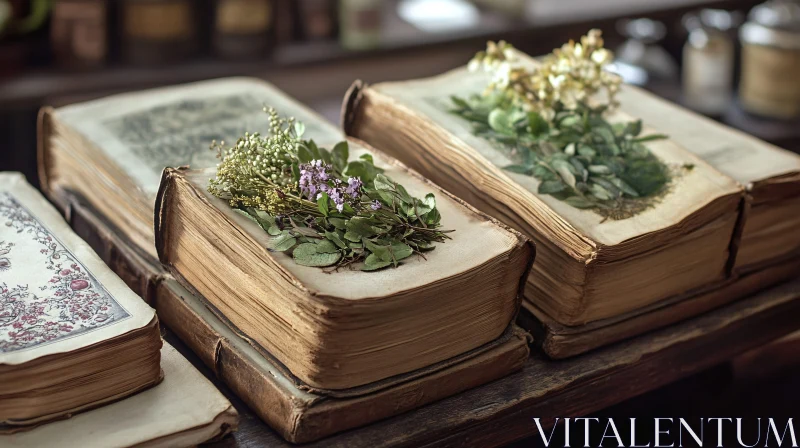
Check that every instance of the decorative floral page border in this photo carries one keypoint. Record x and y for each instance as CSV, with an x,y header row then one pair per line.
x,y
46,294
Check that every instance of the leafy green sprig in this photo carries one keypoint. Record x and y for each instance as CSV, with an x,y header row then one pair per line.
x,y
324,209
579,156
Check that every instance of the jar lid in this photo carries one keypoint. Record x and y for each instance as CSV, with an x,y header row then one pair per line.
x,y
778,14
773,23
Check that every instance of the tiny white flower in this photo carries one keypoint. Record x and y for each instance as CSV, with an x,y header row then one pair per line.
x,y
601,56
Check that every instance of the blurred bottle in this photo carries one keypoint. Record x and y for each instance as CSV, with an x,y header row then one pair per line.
x,y
708,61
79,32
360,23
770,84
641,60
244,28
318,19
158,31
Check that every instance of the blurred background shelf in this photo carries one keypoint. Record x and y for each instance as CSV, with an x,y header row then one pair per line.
x,y
414,38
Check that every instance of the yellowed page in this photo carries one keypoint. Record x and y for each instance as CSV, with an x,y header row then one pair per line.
x,y
475,241
56,295
692,191
184,410
144,132
735,153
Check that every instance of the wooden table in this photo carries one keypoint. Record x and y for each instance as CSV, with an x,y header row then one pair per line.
x,y
502,412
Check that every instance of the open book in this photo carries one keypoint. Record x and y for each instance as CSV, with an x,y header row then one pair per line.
x,y
112,150
589,266
770,175
267,387
346,328
73,336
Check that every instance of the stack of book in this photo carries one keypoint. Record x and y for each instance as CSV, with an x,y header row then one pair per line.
x,y
325,281
627,241
74,337
341,340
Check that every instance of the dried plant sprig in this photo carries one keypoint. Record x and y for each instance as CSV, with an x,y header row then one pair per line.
x,y
543,119
566,78
317,205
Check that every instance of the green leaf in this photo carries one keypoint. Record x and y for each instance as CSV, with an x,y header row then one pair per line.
x,y
339,223
551,187
564,169
340,152
274,230
299,128
381,252
548,149
430,201
373,263
610,187
334,238
382,183
651,137
352,236
325,156
304,154
306,254
295,171
599,169
633,128
322,204
519,169
362,169
622,185
600,193
367,158
586,151
540,171
282,242
459,102
579,202
500,121
537,124
326,247
246,215
359,226
401,251
312,147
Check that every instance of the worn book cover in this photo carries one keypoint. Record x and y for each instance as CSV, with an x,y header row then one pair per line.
x,y
184,410
297,413
62,308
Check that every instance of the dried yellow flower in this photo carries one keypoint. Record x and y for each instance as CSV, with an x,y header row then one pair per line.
x,y
565,79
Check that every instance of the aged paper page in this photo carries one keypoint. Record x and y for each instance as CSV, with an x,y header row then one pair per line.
x,y
147,131
688,194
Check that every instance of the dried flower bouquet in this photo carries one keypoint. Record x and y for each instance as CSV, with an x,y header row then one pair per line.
x,y
543,118
325,210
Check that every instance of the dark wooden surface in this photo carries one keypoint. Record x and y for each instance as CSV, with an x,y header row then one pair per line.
x,y
501,412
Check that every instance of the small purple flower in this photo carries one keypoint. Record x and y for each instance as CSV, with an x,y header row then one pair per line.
x,y
313,178
354,187
376,205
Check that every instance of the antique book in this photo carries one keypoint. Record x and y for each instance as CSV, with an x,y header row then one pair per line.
x,y
770,175
297,413
184,410
352,324
73,336
604,249
112,150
